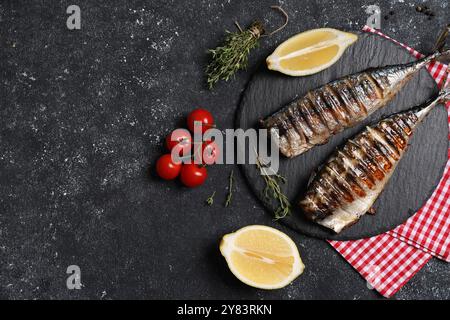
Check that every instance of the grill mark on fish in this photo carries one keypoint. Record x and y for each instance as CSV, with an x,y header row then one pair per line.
x,y
355,170
408,119
369,88
352,179
296,125
385,132
326,203
348,101
385,154
399,130
294,139
380,161
363,173
403,125
411,119
371,94
325,199
283,127
366,161
359,94
317,208
393,135
293,131
337,106
332,192
284,146
375,86
303,124
316,100
349,196
381,80
337,193
379,136
321,132
347,176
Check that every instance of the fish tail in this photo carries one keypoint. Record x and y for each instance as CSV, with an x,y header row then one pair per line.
x,y
442,97
435,56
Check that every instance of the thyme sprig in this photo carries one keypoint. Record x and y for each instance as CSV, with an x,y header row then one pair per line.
x,y
230,189
210,200
232,55
273,190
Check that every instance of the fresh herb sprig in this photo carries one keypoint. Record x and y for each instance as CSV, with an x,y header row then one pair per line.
x,y
230,189
273,190
232,55
210,200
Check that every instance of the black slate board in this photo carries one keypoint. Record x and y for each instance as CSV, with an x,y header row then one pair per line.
x,y
416,176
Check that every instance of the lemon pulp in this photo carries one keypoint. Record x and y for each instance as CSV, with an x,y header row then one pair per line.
x,y
262,257
310,52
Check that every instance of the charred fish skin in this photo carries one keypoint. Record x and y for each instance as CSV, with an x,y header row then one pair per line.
x,y
312,119
352,179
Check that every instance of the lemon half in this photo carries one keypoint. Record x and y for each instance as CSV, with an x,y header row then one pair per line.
x,y
262,257
310,52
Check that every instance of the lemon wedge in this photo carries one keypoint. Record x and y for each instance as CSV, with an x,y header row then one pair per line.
x,y
262,257
310,52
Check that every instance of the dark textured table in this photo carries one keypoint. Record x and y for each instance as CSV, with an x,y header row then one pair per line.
x,y
82,117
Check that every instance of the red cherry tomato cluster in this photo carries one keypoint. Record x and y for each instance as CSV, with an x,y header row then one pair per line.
x,y
180,142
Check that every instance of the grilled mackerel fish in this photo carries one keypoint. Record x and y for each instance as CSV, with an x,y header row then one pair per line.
x,y
327,110
349,183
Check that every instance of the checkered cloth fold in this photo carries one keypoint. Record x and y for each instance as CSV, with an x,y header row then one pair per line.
x,y
387,261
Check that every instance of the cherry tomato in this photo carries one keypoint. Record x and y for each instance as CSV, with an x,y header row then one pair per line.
x,y
208,154
211,152
181,139
193,175
200,115
167,168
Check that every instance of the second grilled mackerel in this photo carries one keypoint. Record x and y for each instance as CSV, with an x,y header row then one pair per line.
x,y
327,110
348,184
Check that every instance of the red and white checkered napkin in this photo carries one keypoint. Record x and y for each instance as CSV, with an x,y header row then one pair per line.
x,y
389,260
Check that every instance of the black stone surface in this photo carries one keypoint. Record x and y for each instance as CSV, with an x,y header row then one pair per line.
x,y
415,177
82,116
